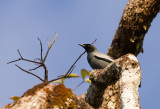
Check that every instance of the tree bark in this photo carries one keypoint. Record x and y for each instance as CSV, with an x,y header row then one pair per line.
x,y
125,74
110,85
134,24
49,96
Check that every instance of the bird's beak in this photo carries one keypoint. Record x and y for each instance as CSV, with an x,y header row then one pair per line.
x,y
81,45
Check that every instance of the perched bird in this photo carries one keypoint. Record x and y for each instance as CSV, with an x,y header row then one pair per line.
x,y
96,60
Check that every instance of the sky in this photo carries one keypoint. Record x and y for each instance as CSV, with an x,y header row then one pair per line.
x,y
75,21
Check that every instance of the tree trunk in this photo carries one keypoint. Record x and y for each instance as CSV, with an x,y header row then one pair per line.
x,y
134,24
114,87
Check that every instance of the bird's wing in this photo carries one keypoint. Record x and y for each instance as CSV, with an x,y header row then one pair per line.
x,y
103,57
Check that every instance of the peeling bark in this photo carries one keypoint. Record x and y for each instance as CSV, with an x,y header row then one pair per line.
x,y
117,74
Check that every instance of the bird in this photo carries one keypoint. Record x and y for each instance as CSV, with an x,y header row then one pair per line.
x,y
96,59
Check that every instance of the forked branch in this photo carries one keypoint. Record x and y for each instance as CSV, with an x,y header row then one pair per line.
x,y
40,62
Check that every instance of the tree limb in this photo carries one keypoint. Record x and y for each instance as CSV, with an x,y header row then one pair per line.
x,y
49,47
29,73
134,24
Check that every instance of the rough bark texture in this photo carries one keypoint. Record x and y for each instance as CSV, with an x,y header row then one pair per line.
x,y
134,24
105,92
49,96
100,80
125,74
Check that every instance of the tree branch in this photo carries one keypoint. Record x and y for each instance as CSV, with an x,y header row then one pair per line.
x,y
41,49
68,72
49,47
23,59
35,68
30,73
134,24
119,70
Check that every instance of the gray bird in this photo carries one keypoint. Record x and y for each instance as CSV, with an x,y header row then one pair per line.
x,y
96,60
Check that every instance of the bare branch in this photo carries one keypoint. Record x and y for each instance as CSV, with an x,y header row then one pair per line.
x,y
31,61
94,41
24,60
13,61
41,49
50,47
46,72
20,54
58,78
48,42
78,85
71,70
35,68
29,73
68,72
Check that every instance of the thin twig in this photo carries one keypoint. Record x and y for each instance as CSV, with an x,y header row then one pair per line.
x,y
63,76
71,70
13,61
29,73
31,61
35,68
74,63
20,54
41,49
48,42
94,41
78,85
24,60
68,72
50,47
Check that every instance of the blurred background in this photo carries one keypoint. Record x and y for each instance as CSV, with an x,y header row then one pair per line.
x,y
75,21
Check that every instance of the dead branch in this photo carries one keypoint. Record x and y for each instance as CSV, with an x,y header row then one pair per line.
x,y
35,68
40,61
49,47
29,73
21,58
69,71
41,49
20,54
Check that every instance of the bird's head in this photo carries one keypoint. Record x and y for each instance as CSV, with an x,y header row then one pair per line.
x,y
88,47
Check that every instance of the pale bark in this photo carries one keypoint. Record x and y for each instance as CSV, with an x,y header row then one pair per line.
x,y
125,73
110,88
134,24
129,83
49,96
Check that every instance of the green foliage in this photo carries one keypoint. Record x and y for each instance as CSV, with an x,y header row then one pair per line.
x,y
73,75
88,80
84,73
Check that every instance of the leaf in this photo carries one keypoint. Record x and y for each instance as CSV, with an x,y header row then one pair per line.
x,y
88,80
14,98
84,73
58,81
62,80
73,75
90,73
